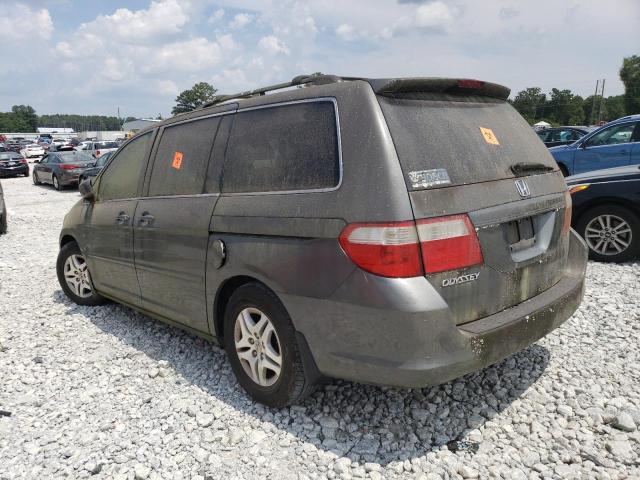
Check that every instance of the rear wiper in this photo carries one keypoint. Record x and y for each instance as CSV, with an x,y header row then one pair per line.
x,y
521,169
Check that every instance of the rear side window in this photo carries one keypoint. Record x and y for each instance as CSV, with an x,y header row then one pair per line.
x,y
283,148
182,157
120,179
454,140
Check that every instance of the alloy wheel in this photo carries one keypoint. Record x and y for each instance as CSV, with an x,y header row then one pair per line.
x,y
56,183
608,235
258,347
76,274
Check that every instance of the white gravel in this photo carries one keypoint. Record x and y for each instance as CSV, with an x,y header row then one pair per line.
x,y
109,393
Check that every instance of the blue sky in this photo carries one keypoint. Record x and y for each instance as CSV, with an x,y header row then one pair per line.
x,y
91,57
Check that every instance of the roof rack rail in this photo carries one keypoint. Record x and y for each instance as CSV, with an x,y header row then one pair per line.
x,y
314,79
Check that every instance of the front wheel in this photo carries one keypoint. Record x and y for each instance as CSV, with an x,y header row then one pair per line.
x,y
36,180
74,277
612,233
261,344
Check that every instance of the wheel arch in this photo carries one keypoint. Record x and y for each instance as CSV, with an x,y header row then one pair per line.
x,y
66,238
225,291
602,201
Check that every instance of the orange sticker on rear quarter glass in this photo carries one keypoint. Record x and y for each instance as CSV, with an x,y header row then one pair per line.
x,y
177,160
489,136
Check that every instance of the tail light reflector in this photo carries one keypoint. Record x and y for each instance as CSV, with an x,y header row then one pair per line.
x,y
385,249
448,243
566,222
409,249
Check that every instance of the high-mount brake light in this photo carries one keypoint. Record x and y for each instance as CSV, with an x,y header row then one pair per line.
x,y
411,249
468,83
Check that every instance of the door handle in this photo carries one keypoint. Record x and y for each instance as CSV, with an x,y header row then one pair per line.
x,y
623,152
122,218
146,220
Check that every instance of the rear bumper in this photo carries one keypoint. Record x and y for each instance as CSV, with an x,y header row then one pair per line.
x,y
9,171
405,335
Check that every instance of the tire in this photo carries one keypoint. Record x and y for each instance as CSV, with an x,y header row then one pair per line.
x,y
56,183
3,223
564,170
621,219
36,181
83,293
291,385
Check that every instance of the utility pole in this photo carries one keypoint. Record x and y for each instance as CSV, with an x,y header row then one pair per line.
x,y
593,104
601,101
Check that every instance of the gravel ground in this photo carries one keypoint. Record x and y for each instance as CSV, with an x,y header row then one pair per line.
x,y
109,393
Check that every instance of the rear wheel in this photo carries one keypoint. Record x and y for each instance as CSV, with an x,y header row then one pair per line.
x,y
3,223
74,277
36,180
564,170
612,233
260,341
56,183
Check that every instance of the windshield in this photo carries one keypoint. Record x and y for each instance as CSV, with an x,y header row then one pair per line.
x,y
74,156
103,159
450,140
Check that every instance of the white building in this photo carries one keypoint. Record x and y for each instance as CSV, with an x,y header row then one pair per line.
x,y
136,125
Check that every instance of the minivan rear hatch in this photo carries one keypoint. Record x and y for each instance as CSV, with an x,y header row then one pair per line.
x,y
464,150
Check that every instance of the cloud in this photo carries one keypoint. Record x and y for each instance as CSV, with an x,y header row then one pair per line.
x,y
21,22
193,55
273,45
346,32
167,87
216,16
240,21
163,17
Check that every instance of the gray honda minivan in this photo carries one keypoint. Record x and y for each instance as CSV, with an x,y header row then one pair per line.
x,y
390,231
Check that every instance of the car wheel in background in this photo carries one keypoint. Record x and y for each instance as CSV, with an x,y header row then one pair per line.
x,y
36,181
261,344
56,183
3,223
612,233
564,170
74,277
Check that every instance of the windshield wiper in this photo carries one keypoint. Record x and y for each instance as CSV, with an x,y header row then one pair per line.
x,y
522,169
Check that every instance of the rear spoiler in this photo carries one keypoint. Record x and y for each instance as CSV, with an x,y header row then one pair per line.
x,y
456,86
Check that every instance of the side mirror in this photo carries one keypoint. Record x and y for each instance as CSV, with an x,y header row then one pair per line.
x,y
86,190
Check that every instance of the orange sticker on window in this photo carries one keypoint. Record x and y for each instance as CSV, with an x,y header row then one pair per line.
x,y
177,160
489,136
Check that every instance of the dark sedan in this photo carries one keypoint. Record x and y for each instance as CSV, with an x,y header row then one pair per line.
x,y
552,137
62,169
92,172
606,212
13,164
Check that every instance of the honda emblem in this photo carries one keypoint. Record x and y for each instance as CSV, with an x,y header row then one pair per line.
x,y
523,188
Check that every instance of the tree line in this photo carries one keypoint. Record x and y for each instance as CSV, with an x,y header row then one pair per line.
x,y
563,107
23,118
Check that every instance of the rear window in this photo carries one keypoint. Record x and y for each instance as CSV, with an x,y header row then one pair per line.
x,y
100,145
444,141
283,148
71,157
182,157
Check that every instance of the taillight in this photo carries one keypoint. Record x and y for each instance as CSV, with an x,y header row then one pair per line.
x,y
409,249
385,249
23,160
468,83
68,167
448,243
566,222
97,153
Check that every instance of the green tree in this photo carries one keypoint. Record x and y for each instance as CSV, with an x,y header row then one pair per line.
x,y
564,108
196,96
528,102
630,76
615,108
